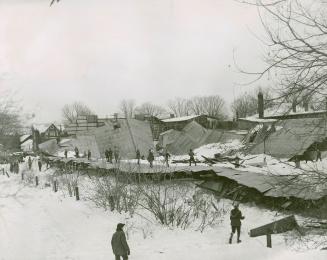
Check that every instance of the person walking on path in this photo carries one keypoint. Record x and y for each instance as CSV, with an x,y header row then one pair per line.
x,y
29,163
39,163
151,158
119,244
138,156
76,152
191,154
235,219
106,154
88,155
116,155
167,156
110,155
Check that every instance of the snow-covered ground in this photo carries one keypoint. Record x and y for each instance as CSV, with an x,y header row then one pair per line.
x,y
38,224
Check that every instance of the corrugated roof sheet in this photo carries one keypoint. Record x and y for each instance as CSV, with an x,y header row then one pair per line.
x,y
292,137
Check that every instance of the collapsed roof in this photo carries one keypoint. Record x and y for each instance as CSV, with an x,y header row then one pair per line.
x,y
289,137
192,136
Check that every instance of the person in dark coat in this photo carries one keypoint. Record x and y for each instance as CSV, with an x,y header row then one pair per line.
x,y
119,244
66,153
29,163
76,152
191,154
116,155
106,154
39,163
88,154
110,155
138,156
235,218
167,156
151,158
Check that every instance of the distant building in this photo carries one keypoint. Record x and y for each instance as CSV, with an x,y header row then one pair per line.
x,y
84,124
282,111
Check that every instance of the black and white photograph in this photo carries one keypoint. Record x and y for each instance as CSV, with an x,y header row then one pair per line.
x,y
163,129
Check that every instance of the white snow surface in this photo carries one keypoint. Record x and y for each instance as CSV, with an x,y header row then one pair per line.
x,y
38,224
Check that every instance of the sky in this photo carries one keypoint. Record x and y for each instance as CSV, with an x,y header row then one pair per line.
x,y
102,51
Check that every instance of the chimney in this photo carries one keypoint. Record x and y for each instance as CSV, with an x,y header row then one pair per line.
x,y
260,105
294,106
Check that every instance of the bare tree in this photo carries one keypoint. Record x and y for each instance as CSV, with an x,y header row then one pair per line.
x,y
297,50
150,109
127,107
10,121
70,112
179,106
208,105
247,104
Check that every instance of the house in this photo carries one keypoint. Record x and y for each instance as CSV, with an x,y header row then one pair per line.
x,y
280,111
26,143
178,123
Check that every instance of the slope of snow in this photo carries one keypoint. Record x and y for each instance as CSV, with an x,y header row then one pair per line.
x,y
38,224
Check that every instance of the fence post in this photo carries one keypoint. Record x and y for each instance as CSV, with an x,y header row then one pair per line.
x,y
269,240
76,193
36,180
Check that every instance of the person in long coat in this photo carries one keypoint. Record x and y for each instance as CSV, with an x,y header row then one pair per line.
x,y
138,156
29,163
151,158
235,219
119,244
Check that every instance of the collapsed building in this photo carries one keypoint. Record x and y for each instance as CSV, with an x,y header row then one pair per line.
x,y
285,131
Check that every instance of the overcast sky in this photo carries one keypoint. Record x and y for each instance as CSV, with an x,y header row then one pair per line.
x,y
102,51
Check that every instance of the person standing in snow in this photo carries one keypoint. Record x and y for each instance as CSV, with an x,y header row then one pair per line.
x,y
235,218
151,158
66,153
29,163
167,156
39,163
191,154
116,155
88,154
138,156
110,155
119,244
76,152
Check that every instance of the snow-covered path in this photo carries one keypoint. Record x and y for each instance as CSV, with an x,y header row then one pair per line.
x,y
37,224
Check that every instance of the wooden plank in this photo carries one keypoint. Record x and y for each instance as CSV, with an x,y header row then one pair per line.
x,y
276,227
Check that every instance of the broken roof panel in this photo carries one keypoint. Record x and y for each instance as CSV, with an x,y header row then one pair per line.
x,y
292,137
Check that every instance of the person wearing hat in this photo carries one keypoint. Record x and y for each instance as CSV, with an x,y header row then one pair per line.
x,y
119,244
235,218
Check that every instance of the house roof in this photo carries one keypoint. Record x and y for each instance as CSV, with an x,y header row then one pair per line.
x,y
292,137
280,110
43,127
130,132
179,119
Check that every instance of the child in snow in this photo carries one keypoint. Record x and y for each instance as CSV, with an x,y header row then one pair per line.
x,y
119,244
235,218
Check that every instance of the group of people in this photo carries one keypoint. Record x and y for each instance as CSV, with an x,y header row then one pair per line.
x,y
112,154
121,248
30,162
